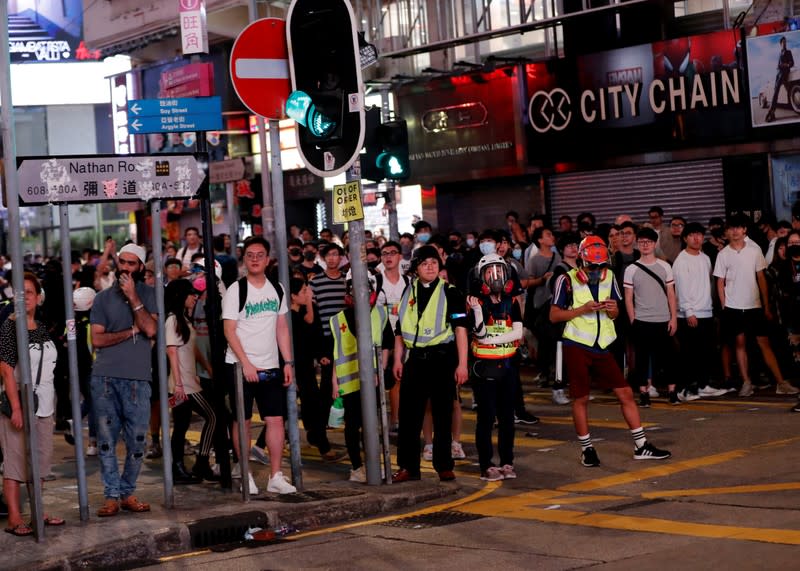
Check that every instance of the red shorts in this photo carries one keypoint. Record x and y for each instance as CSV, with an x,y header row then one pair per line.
x,y
581,367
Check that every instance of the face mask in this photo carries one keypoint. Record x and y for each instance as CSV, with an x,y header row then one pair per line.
x,y
373,264
471,242
454,243
406,249
793,251
487,248
423,237
295,252
309,256
517,253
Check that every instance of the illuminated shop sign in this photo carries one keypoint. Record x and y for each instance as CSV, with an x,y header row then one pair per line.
x,y
47,31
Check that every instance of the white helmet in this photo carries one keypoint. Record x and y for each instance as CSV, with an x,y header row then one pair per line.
x,y
83,298
217,268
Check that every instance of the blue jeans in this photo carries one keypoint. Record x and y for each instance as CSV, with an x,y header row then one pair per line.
x,y
120,405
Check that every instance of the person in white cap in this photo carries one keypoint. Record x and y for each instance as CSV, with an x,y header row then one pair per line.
x,y
123,320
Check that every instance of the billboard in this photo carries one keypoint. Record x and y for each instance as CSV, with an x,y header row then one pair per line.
x,y
47,31
774,78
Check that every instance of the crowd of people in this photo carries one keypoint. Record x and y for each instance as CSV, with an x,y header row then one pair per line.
x,y
662,305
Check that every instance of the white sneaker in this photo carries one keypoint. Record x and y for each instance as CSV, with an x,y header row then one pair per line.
x,y
786,388
508,472
236,471
252,483
358,476
559,397
746,390
278,484
427,452
91,450
456,451
259,455
685,396
651,390
709,391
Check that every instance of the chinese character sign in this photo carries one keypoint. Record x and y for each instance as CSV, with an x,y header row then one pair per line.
x,y
194,33
347,202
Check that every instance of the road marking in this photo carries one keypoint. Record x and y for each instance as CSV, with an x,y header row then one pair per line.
x,y
746,489
519,442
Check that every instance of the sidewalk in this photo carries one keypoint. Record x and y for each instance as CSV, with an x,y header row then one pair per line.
x,y
204,514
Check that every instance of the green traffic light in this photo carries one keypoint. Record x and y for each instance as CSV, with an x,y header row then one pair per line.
x,y
301,108
392,165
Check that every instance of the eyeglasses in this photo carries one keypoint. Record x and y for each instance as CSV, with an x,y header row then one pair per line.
x,y
645,242
255,255
388,253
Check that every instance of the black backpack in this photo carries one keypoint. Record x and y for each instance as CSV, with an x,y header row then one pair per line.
x,y
243,291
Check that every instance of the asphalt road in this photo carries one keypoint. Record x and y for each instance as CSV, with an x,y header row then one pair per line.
x,y
729,497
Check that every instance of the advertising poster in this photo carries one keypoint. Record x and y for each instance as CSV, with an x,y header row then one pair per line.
x,y
785,185
774,78
47,31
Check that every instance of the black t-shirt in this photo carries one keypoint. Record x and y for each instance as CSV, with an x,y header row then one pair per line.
x,y
456,304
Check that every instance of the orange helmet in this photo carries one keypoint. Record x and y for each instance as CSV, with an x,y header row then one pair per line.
x,y
593,250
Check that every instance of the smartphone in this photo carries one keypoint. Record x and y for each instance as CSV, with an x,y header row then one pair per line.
x,y
266,376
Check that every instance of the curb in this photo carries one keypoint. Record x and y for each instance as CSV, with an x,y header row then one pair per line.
x,y
146,548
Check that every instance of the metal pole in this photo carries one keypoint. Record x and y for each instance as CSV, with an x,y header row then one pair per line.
x,y
18,281
161,341
394,231
366,367
283,275
243,452
233,218
72,352
387,453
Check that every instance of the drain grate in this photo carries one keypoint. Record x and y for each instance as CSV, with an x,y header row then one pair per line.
x,y
436,519
226,529
310,496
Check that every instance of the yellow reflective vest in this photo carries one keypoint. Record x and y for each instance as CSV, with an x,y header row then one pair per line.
x,y
590,328
345,347
429,329
483,350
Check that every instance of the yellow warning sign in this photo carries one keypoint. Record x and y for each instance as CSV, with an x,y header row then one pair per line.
x,y
347,202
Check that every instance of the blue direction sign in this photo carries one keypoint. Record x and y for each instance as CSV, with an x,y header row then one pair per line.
x,y
175,115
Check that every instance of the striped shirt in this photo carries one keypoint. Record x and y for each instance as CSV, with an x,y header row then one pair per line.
x,y
329,296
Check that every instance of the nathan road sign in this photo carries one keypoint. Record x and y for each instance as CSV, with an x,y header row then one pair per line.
x,y
260,67
175,115
111,178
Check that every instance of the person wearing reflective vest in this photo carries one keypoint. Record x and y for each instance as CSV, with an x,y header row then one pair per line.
x,y
496,333
346,382
587,298
432,333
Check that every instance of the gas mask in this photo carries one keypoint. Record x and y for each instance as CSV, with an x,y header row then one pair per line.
x,y
594,273
495,278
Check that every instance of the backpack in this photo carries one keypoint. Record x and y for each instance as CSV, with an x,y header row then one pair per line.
x,y
243,291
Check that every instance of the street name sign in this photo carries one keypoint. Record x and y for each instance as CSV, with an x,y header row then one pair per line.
x,y
175,115
111,178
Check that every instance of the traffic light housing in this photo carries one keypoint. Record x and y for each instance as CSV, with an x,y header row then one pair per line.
x,y
393,158
372,146
327,98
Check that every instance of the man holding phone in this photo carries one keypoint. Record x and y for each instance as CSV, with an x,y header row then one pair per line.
x,y
587,298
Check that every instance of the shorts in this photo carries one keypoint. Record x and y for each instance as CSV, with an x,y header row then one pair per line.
x,y
734,322
582,366
12,441
270,396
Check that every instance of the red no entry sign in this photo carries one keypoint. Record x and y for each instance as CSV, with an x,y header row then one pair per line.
x,y
260,67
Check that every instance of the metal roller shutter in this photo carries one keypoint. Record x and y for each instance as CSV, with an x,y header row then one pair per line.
x,y
694,190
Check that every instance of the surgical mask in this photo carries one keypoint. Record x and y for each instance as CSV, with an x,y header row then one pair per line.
x,y
487,248
517,253
295,252
470,242
309,256
373,264
423,237
793,251
406,249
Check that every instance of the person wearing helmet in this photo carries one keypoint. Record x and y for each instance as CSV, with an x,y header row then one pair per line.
x,y
83,299
496,332
345,380
587,300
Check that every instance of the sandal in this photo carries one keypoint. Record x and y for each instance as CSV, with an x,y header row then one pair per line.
x,y
53,521
20,530
132,504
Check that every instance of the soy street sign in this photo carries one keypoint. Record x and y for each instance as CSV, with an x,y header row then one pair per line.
x,y
112,178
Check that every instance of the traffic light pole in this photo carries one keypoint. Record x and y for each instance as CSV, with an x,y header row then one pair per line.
x,y
389,198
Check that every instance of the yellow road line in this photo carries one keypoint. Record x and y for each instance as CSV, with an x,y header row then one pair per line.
x,y
519,441
746,489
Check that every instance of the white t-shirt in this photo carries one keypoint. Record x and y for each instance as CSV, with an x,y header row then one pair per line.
x,y
185,255
739,268
256,324
186,359
693,285
390,296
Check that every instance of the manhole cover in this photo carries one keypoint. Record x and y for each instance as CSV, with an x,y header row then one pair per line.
x,y
309,496
436,519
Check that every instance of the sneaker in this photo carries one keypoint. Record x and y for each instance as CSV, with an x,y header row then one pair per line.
x,y
644,400
651,390
796,407
154,451
278,484
559,397
508,472
457,451
492,474
525,418
686,396
259,455
236,471
393,430
91,450
589,457
69,434
673,397
251,483
427,452
785,388
746,390
473,406
649,452
709,391
359,476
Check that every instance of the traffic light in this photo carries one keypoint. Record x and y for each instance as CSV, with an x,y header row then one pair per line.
x,y
393,158
327,99
372,146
